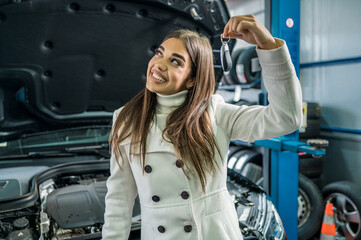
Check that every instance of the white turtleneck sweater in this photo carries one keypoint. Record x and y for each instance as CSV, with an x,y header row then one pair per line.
x,y
166,104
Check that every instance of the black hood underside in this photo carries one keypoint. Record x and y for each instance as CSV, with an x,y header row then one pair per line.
x,y
66,63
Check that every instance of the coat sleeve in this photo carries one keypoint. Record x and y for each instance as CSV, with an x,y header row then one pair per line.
x,y
283,115
120,198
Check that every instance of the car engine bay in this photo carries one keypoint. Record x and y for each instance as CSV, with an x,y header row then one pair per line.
x,y
68,202
68,206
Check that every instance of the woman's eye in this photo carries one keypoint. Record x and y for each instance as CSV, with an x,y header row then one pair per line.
x,y
157,52
175,61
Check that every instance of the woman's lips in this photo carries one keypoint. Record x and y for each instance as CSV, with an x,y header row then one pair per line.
x,y
154,80
158,74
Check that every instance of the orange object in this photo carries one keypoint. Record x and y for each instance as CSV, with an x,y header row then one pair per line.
x,y
329,209
328,229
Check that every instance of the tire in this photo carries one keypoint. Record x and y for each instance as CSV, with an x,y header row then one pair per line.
x,y
246,156
318,182
245,58
310,208
231,159
232,74
312,129
346,197
309,166
233,149
313,110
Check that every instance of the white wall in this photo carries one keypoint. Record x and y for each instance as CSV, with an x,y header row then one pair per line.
x,y
331,29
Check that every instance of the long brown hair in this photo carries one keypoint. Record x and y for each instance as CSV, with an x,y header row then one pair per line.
x,y
188,127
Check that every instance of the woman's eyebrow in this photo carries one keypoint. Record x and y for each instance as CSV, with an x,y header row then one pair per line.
x,y
174,54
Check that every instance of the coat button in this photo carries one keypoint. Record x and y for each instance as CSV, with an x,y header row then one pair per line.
x,y
179,163
188,228
184,195
148,168
155,198
161,229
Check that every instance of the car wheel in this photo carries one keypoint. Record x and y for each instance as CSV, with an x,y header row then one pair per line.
x,y
310,208
346,199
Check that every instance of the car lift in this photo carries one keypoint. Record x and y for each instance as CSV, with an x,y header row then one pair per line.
x,y
280,168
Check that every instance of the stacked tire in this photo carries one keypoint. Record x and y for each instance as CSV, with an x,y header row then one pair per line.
x,y
310,199
246,161
245,69
313,121
308,165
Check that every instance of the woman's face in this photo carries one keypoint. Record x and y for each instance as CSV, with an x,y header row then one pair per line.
x,y
169,69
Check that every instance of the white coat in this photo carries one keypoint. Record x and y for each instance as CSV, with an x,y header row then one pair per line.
x,y
174,207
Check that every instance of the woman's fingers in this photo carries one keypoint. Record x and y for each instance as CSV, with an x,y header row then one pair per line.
x,y
233,24
241,29
249,29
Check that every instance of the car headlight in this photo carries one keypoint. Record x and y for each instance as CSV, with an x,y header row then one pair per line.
x,y
257,215
273,227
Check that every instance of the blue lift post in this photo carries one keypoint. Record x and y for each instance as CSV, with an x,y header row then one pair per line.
x,y
285,24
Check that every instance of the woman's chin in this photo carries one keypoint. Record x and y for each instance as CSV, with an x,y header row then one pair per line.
x,y
153,89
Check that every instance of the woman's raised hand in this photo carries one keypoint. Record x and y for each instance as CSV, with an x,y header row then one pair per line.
x,y
249,29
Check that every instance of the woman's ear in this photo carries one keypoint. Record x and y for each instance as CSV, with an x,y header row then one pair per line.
x,y
190,83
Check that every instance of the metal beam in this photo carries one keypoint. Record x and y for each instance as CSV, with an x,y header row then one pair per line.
x,y
285,24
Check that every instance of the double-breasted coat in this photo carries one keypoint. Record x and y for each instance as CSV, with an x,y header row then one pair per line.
x,y
172,206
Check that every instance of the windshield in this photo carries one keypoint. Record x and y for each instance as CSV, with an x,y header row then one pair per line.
x,y
56,140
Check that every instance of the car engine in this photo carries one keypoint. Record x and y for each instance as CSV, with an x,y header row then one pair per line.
x,y
71,206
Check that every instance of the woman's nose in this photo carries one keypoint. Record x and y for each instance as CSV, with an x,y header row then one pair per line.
x,y
161,65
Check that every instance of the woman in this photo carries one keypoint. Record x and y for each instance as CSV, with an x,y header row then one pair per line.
x,y
169,143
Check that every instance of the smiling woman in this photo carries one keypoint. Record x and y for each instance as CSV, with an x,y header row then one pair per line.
x,y
184,65
169,144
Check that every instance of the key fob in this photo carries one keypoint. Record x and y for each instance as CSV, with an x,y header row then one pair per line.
x,y
226,60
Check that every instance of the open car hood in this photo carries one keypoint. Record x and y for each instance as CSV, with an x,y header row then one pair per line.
x,y
65,63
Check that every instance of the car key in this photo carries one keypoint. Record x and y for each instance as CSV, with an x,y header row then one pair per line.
x,y
226,60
